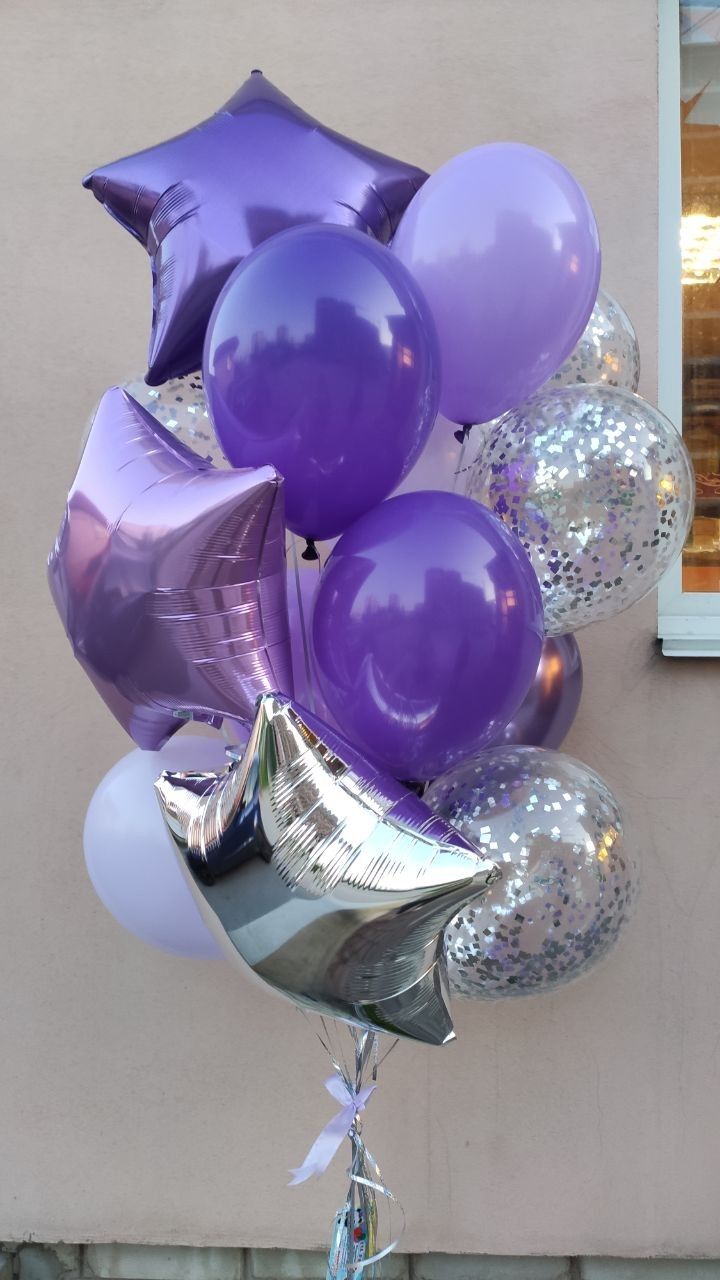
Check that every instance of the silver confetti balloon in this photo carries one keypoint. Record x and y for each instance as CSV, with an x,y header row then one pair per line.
x,y
607,352
598,487
181,407
330,879
569,881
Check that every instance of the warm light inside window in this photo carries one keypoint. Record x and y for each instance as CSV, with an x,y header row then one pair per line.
x,y
700,245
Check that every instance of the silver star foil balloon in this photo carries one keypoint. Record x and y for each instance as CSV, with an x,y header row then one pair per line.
x,y
598,487
169,577
330,879
569,880
607,352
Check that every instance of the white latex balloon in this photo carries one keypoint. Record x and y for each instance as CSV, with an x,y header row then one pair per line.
x,y
130,857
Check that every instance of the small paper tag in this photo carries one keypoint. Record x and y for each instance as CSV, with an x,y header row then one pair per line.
x,y
343,1247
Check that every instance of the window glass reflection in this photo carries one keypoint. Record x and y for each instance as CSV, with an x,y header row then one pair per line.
x,y
700,241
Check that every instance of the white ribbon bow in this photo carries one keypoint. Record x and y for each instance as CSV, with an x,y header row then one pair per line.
x,y
330,1138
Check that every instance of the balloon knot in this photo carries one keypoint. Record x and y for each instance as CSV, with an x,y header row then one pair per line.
x,y
463,432
414,785
310,552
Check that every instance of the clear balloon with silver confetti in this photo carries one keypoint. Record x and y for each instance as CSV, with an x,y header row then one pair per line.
x,y
181,407
607,352
598,487
569,879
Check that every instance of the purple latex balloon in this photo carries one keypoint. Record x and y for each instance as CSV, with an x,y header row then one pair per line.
x,y
504,245
321,357
169,576
130,858
544,717
202,201
426,631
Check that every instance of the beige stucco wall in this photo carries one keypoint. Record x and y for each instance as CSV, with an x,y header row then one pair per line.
x,y
146,1098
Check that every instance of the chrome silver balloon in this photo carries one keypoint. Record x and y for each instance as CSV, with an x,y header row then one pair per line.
x,y
550,705
569,879
330,879
598,487
607,352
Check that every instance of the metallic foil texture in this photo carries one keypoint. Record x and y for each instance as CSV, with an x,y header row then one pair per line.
x,y
169,577
202,201
548,709
331,880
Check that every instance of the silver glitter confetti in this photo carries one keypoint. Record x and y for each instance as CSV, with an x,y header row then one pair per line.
x,y
598,487
607,352
569,881
181,407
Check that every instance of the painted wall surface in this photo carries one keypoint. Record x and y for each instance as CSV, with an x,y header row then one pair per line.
x,y
145,1098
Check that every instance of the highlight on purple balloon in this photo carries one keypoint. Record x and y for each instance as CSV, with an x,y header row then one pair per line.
x,y
503,243
321,358
426,631
130,857
546,714
202,201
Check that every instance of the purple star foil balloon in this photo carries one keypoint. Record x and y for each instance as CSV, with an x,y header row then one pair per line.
x,y
202,201
169,577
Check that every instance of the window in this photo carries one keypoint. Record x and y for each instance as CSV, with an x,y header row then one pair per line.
x,y
689,70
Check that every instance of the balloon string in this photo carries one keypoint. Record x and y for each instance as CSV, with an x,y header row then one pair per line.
x,y
366,1182
462,437
303,628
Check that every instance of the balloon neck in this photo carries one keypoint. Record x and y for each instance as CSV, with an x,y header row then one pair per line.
x,y
463,432
415,786
311,551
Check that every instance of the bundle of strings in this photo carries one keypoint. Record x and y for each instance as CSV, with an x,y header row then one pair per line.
x,y
355,1245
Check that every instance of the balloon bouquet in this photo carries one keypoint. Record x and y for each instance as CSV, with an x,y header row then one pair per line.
x,y
385,816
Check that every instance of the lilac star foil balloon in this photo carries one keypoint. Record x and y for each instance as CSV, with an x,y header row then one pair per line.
x,y
169,577
202,201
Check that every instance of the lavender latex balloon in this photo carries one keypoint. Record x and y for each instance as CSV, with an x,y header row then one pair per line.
x,y
129,858
569,878
202,201
546,714
321,358
503,243
169,577
598,487
607,350
426,631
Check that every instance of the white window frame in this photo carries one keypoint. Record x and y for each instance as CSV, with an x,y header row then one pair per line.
x,y
688,622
